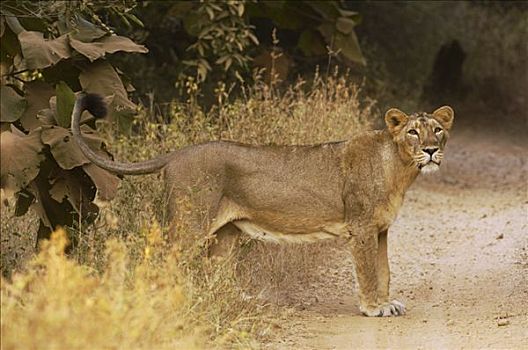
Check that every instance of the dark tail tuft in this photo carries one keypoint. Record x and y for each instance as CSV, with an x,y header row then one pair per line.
x,y
94,104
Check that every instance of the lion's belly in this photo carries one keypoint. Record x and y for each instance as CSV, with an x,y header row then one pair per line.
x,y
257,231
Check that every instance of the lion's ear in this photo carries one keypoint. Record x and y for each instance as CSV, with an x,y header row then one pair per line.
x,y
444,115
395,120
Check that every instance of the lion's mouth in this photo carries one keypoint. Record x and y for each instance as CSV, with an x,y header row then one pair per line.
x,y
429,163
429,167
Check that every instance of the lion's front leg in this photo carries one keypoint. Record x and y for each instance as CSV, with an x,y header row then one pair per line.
x,y
364,247
396,307
383,268
372,274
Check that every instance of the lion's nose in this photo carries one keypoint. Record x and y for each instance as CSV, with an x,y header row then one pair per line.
x,y
430,150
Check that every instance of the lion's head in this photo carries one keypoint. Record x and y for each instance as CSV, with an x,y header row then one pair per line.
x,y
421,137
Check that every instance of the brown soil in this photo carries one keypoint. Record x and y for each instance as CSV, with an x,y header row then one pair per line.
x,y
459,259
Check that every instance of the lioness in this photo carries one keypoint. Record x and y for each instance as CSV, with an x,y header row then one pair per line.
x,y
350,189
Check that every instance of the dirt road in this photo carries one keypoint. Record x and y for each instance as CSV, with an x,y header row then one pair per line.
x,y
459,261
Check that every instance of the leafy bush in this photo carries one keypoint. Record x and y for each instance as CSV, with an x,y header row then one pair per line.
x,y
320,27
42,66
220,41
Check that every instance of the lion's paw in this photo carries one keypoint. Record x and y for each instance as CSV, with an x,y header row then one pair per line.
x,y
394,308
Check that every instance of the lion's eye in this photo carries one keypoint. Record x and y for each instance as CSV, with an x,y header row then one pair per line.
x,y
437,130
413,132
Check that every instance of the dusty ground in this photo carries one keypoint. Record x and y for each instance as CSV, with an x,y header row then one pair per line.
x,y
459,259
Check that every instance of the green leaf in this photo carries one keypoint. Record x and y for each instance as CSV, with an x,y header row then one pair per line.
x,y
353,15
41,53
21,156
125,21
349,46
37,94
109,44
240,9
210,13
13,24
86,31
65,151
193,23
10,47
46,116
105,182
12,105
66,187
101,78
76,189
327,30
134,19
345,25
73,187
65,102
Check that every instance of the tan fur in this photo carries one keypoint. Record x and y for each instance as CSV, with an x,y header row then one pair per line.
x,y
350,189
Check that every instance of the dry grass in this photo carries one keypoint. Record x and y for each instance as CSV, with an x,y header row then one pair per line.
x,y
126,287
60,304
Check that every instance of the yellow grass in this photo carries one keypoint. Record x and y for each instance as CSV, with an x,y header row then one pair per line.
x,y
60,304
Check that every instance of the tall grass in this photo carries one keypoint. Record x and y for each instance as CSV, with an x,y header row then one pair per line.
x,y
60,304
126,286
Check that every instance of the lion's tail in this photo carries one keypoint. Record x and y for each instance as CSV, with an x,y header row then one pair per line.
x,y
95,105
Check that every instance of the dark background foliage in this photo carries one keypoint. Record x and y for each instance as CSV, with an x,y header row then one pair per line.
x,y
413,54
